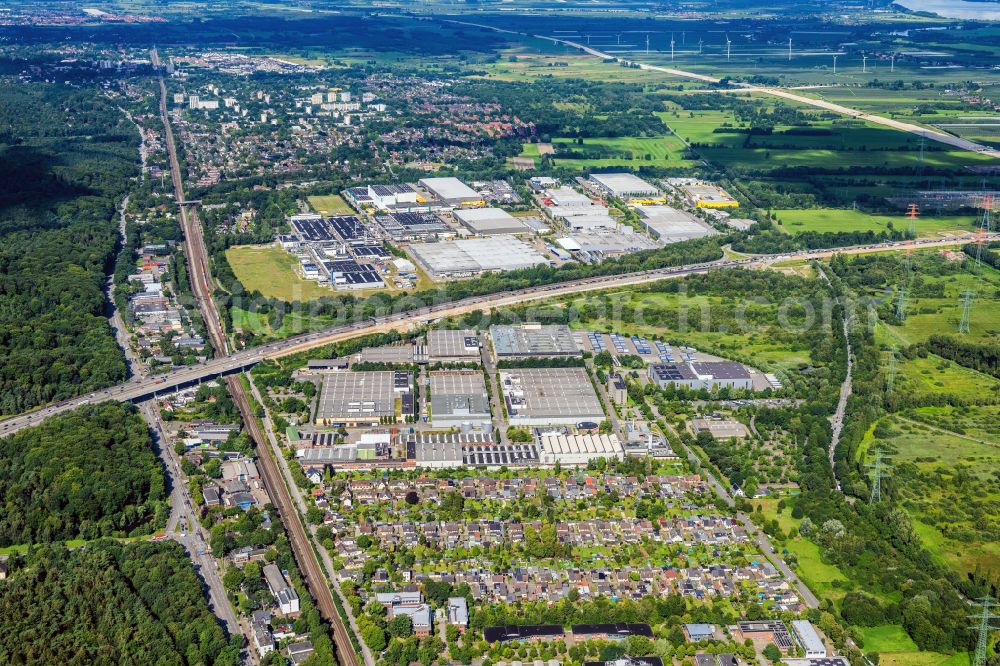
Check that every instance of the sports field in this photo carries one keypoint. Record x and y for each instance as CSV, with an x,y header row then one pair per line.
x,y
331,204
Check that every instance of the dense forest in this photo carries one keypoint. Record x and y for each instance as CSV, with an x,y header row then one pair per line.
x,y
64,166
87,474
109,603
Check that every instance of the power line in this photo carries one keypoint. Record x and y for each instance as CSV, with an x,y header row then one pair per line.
x,y
890,379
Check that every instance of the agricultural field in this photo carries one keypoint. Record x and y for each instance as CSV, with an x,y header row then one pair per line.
x,y
823,220
563,62
332,204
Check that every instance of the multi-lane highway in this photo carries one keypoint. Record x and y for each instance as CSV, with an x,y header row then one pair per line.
x,y
140,389
784,93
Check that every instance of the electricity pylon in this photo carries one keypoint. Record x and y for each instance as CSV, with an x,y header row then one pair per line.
x,y
963,323
984,625
878,473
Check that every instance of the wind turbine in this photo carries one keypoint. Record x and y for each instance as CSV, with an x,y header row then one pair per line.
x,y
892,63
699,45
728,43
864,64
834,64
647,43
671,47
789,49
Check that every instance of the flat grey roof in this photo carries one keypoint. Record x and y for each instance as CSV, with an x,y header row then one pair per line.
x,y
489,221
533,340
458,343
349,396
449,188
501,252
550,393
721,369
457,394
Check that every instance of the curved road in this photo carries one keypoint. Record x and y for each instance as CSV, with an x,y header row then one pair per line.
x,y
934,135
140,389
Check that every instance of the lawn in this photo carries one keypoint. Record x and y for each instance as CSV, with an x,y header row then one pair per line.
x,y
888,638
332,204
270,270
924,659
824,220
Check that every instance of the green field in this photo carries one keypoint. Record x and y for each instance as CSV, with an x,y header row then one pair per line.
x,y
947,484
271,271
823,220
825,580
332,204
634,152
940,314
888,638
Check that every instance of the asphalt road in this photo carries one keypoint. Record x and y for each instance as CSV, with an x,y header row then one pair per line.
x,y
140,389
934,135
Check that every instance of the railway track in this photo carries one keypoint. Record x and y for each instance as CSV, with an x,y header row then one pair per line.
x,y
201,285
315,578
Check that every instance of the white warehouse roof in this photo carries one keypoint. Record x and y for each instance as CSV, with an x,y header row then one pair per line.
x,y
623,184
450,189
489,221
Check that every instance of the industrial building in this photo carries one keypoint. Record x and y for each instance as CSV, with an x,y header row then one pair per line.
x,y
670,225
452,191
706,195
625,186
472,256
576,211
477,449
401,354
347,455
698,375
453,346
407,226
550,396
719,428
486,221
816,661
360,398
808,638
597,244
459,399
532,340
578,450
